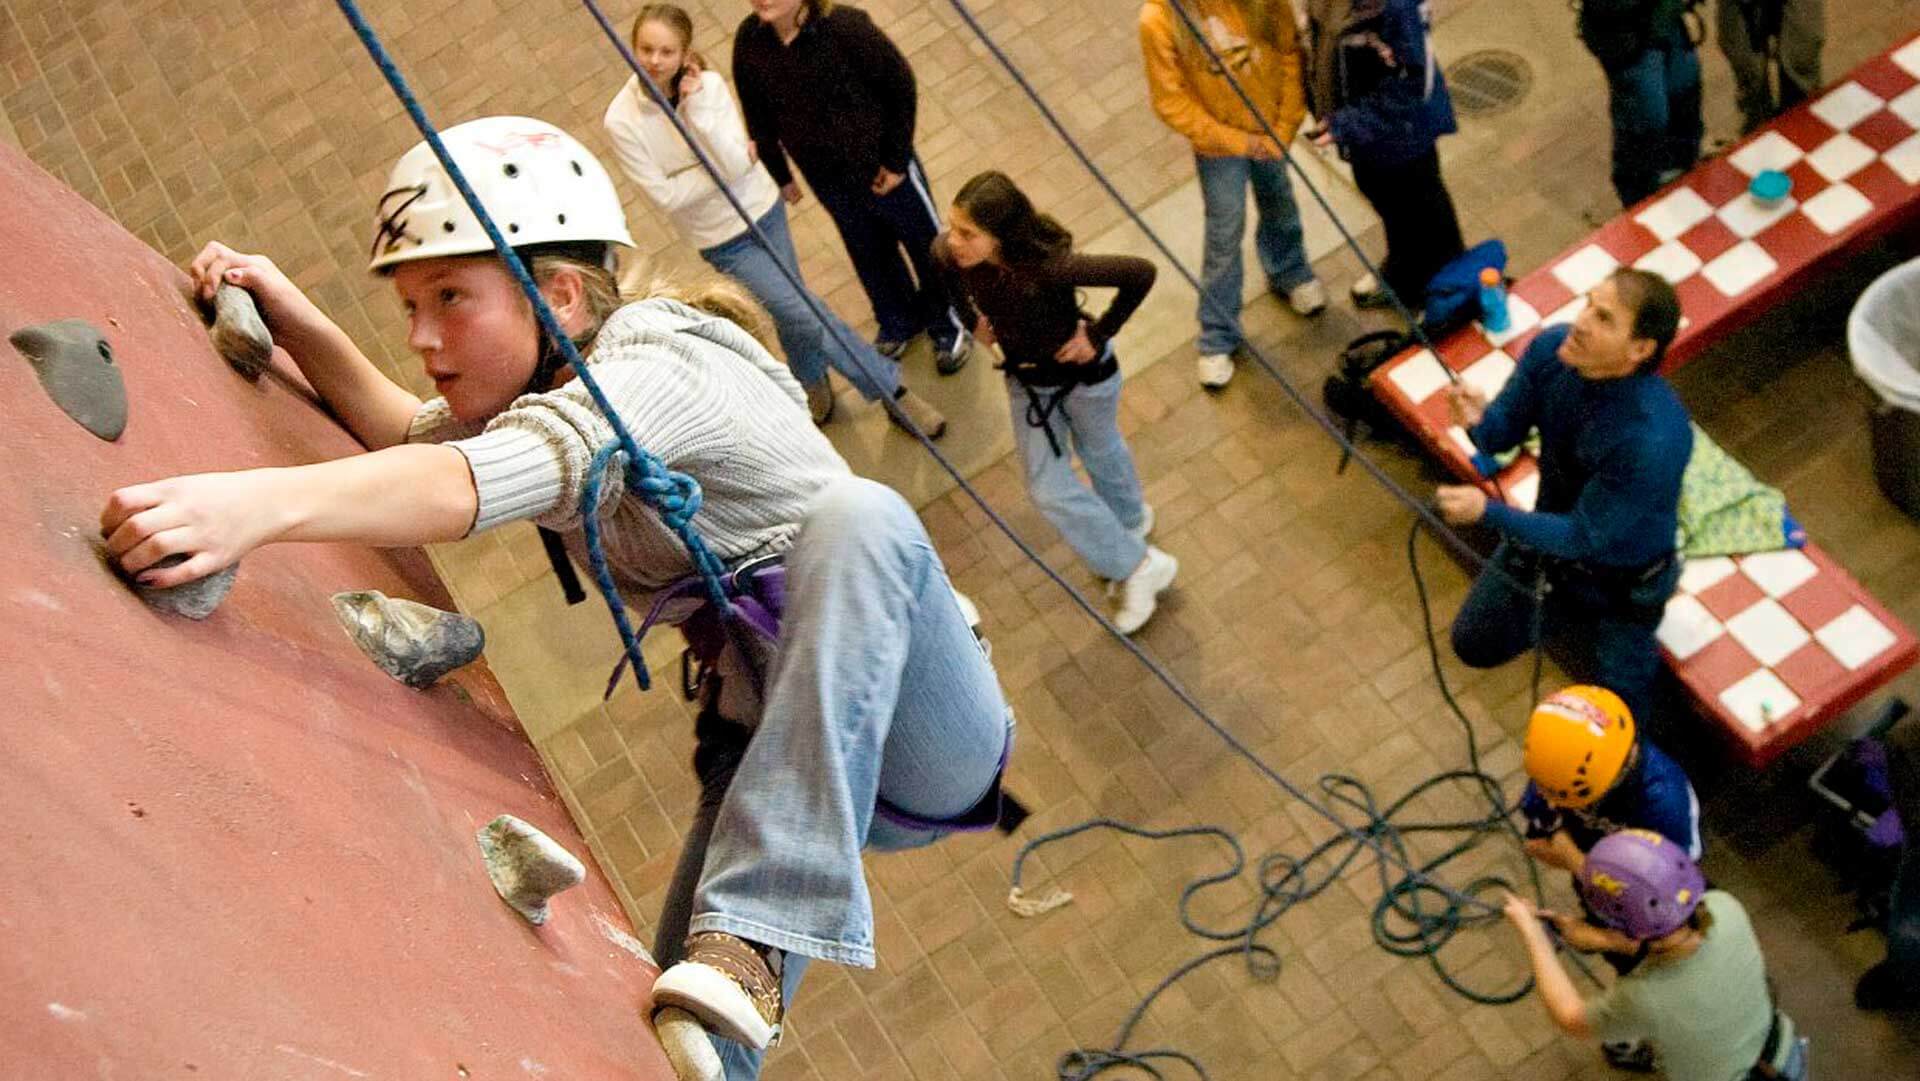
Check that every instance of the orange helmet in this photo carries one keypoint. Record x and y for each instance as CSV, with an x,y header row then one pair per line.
x,y
1578,741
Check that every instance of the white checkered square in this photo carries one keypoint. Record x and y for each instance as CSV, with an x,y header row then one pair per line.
x,y
1778,573
1846,105
1462,440
1673,261
1770,150
1904,159
1759,700
1688,627
1419,376
1586,268
1836,208
1520,318
1489,373
1748,217
1674,213
1907,57
1840,157
1525,492
1907,107
1768,631
1744,265
1855,637
1698,575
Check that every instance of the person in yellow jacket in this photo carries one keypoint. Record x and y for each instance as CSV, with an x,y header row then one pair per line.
x,y
1259,43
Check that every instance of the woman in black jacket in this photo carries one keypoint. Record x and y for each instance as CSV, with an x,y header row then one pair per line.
x,y
821,84
1018,267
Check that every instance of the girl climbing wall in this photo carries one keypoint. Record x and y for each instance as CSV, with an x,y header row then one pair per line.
x,y
881,722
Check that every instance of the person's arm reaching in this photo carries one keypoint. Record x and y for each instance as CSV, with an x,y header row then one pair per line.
x,y
373,407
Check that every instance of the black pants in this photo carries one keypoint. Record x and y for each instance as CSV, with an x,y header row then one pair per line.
x,y
719,745
876,230
1423,232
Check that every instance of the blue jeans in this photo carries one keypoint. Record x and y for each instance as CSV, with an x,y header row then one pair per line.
x,y
878,690
809,344
1657,128
1277,241
1608,629
1097,522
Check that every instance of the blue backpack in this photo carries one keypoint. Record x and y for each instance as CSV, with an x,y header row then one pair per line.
x,y
1453,296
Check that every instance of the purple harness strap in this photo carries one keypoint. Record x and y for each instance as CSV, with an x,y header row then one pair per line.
x,y
757,591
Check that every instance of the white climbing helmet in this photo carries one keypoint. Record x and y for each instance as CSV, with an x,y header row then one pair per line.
x,y
537,182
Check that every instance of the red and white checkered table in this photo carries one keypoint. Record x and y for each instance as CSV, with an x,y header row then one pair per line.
x,y
1774,645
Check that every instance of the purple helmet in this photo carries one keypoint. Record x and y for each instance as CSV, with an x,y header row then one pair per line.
x,y
1640,883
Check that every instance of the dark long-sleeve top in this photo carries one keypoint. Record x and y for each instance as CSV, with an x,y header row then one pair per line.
x,y
839,99
1036,309
1612,452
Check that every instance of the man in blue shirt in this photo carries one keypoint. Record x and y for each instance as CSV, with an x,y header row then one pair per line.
x,y
1614,442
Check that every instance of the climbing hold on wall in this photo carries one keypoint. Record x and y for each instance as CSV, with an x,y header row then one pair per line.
x,y
75,366
239,333
411,642
196,599
689,1049
527,866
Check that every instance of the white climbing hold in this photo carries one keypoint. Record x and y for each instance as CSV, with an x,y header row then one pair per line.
x,y
689,1049
1023,905
527,867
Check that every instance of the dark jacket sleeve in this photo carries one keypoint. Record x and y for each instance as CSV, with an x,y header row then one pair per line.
x,y
879,64
756,104
1131,276
1610,513
1516,410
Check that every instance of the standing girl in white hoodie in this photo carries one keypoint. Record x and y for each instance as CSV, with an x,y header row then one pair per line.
x,y
653,154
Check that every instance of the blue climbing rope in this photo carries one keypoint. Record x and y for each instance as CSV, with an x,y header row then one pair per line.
x,y
673,495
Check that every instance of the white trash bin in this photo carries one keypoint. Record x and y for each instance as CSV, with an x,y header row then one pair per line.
x,y
1883,338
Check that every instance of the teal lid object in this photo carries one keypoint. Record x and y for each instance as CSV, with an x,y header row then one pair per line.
x,y
1770,185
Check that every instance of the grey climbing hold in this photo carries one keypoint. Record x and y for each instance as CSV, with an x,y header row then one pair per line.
x,y
239,333
411,642
75,365
689,1049
196,599
527,867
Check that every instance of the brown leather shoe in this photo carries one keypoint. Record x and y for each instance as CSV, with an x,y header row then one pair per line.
x,y
924,416
729,985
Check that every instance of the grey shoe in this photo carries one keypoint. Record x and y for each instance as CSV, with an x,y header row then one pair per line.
x,y
950,358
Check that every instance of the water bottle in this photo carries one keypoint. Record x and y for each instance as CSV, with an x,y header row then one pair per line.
x,y
1493,302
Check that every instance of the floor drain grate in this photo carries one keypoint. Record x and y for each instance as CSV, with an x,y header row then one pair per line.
x,y
1489,81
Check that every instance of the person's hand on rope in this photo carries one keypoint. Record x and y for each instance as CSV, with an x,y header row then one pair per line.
x,y
286,309
886,180
1557,850
1460,504
211,518
1467,403
790,191
1079,348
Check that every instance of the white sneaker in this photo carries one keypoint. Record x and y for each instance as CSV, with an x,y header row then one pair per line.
x,y
1369,292
1145,528
1308,298
1216,370
1140,592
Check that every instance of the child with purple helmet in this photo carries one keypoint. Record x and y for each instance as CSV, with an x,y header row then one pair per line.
x,y
1697,990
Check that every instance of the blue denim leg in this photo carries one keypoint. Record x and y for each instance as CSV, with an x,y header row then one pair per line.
x,y
810,346
1685,125
1277,237
878,690
1499,620
1223,191
1089,523
1093,415
1637,99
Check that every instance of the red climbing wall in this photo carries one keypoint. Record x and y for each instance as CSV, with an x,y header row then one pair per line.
x,y
236,849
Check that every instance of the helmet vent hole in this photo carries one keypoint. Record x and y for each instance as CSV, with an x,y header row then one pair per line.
x,y
510,169
577,171
563,218
446,226
513,227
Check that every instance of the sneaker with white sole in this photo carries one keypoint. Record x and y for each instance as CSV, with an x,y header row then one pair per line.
x,y
951,357
1308,298
1216,370
1368,292
1140,591
728,985
1145,528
